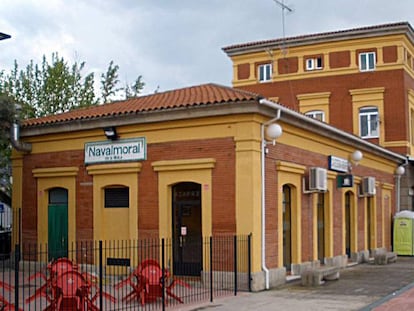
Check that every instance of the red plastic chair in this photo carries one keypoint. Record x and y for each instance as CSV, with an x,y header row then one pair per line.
x,y
5,305
147,286
74,292
53,269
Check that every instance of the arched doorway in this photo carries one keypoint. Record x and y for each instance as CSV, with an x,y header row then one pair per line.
x,y
187,228
348,232
369,223
321,226
58,223
287,223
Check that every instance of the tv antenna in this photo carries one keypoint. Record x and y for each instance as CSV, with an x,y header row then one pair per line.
x,y
284,8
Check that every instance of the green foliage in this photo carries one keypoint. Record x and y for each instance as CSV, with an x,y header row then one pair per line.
x,y
7,112
109,81
135,89
50,88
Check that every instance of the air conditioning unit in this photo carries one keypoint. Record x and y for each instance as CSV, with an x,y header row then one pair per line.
x,y
368,186
318,179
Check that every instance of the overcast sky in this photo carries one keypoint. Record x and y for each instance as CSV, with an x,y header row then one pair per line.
x,y
171,43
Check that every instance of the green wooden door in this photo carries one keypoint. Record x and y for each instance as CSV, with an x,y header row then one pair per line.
x,y
58,223
58,230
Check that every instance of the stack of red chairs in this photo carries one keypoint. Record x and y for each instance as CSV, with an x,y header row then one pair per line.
x,y
66,288
146,282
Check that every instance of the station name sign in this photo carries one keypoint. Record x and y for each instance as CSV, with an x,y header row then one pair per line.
x,y
338,164
125,150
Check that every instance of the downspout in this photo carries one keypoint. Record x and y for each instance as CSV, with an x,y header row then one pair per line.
x,y
15,139
399,171
263,171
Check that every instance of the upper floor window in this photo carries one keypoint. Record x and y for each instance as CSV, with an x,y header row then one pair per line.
x,y
368,122
265,72
116,197
314,63
367,61
316,114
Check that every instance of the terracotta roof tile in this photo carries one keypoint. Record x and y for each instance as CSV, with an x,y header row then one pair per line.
x,y
322,36
205,94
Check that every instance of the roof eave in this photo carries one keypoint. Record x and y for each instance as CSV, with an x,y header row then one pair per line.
x,y
143,117
394,29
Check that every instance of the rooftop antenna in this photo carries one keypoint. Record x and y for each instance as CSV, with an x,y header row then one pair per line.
x,y
284,8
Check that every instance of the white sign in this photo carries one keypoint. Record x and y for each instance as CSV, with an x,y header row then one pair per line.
x,y
338,164
116,151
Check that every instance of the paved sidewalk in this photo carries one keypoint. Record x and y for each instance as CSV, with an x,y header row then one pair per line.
x,y
361,287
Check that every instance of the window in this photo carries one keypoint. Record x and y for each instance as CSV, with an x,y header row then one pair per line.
x,y
367,61
368,122
314,63
265,72
316,114
117,197
58,196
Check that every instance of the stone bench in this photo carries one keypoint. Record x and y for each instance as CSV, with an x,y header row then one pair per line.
x,y
383,257
318,276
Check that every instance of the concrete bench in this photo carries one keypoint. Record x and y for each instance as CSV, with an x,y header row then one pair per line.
x,y
318,276
383,257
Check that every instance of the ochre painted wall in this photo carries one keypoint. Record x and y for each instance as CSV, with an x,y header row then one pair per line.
x,y
223,155
339,74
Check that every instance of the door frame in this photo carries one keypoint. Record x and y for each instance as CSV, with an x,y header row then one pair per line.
x,y
180,234
287,252
48,178
57,214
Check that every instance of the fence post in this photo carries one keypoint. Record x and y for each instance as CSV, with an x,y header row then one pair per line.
x,y
163,272
100,275
211,269
16,276
235,264
249,261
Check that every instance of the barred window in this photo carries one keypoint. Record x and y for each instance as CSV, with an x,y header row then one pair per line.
x,y
117,197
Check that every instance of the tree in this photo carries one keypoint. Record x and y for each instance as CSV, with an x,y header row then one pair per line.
x,y
135,89
51,88
7,112
109,81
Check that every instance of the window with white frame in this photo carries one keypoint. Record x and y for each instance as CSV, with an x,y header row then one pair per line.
x,y
316,114
314,63
368,122
367,61
265,72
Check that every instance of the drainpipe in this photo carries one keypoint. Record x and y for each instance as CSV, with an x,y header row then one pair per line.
x,y
263,207
399,171
15,139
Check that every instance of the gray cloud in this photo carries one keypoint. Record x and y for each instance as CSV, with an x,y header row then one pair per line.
x,y
174,43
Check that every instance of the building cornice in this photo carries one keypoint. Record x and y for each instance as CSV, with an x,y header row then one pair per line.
x,y
402,28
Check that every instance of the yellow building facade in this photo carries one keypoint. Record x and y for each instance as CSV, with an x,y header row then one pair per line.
x,y
196,162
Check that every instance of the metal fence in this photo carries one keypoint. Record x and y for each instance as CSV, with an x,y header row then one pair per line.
x,y
123,275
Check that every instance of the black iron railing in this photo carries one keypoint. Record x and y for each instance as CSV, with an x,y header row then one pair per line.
x,y
124,275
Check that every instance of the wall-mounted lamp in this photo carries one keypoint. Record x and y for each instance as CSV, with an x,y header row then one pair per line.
x,y
399,171
110,132
273,132
355,158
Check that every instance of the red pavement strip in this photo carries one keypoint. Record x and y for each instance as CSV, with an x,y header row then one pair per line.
x,y
401,300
